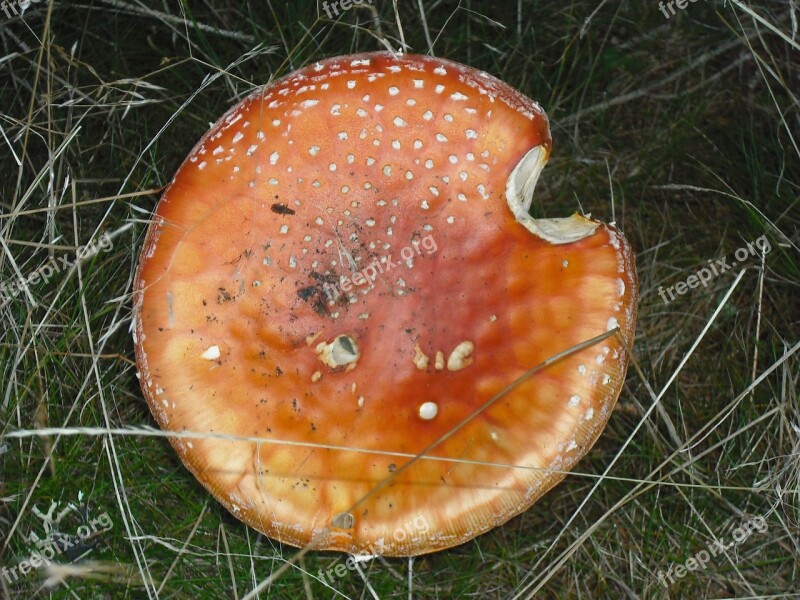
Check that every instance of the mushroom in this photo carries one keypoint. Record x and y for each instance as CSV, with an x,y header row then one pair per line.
x,y
345,267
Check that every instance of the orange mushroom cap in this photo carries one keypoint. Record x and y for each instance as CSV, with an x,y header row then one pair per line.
x,y
345,267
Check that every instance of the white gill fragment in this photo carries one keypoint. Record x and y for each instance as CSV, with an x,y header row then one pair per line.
x,y
341,351
519,195
439,364
420,359
460,356
211,353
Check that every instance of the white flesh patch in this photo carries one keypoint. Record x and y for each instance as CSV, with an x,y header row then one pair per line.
x,y
460,356
420,359
519,195
211,353
341,351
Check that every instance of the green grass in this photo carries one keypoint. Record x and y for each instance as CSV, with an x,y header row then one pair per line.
x,y
692,123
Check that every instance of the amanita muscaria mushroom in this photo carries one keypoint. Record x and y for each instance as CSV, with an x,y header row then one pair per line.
x,y
346,262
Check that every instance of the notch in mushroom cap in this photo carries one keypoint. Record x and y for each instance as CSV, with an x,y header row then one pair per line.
x,y
346,260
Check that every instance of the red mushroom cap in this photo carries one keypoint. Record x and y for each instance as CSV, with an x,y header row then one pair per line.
x,y
346,260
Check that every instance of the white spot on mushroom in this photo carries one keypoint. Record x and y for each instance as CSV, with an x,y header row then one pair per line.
x,y
439,363
439,89
211,353
399,122
471,134
458,96
393,91
574,401
601,358
612,323
428,410
460,356
582,369
440,137
419,83
589,414
427,115
420,358
351,84
316,376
